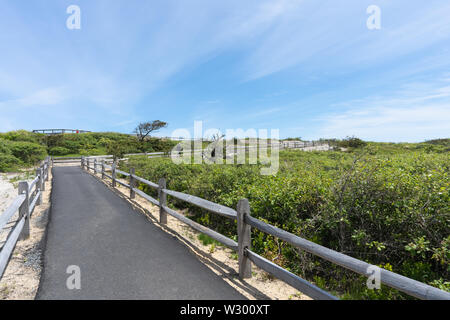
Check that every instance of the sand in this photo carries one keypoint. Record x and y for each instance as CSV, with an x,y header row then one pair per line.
x,y
21,278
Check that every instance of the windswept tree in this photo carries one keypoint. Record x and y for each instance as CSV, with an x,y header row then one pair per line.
x,y
145,128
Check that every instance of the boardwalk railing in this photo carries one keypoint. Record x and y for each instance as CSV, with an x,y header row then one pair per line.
x,y
59,131
243,247
30,196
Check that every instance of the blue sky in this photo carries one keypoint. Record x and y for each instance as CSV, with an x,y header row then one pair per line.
x,y
309,68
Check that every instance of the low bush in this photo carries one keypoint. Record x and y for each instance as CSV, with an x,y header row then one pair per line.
x,y
94,143
9,163
352,142
23,135
30,147
20,148
28,152
5,146
58,151
386,204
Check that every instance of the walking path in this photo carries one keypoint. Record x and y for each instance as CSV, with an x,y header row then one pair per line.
x,y
119,253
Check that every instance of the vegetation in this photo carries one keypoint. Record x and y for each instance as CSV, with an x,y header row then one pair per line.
x,y
384,203
145,128
98,143
19,149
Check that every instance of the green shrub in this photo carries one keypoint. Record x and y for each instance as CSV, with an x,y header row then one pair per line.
x,y
207,240
352,142
386,204
18,149
23,135
95,143
9,163
59,151
5,146
29,147
28,152
116,149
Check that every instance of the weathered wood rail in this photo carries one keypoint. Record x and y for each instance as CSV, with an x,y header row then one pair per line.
x,y
243,247
281,145
59,131
30,196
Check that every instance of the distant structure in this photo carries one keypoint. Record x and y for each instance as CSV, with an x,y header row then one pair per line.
x,y
59,131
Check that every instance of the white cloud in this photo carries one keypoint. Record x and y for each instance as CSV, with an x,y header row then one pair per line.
x,y
410,115
44,97
260,113
320,36
125,52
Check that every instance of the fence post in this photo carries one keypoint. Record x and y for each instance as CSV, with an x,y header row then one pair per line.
x,y
132,183
45,169
95,166
39,183
103,169
24,210
244,239
113,174
162,201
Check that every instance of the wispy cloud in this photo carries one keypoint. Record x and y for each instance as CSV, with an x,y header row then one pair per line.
x,y
261,113
274,63
416,113
318,36
45,97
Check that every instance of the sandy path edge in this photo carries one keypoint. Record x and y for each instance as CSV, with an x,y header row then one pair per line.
x,y
22,275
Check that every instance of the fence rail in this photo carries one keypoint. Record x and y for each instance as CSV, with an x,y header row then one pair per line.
x,y
179,153
30,196
243,247
59,131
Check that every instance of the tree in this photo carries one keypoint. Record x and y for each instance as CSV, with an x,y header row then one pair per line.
x,y
145,128
352,142
116,149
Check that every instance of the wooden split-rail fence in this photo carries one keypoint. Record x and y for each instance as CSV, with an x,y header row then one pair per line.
x,y
300,145
30,196
242,214
59,131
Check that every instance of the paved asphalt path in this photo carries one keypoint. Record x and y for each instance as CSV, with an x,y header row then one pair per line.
x,y
121,255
